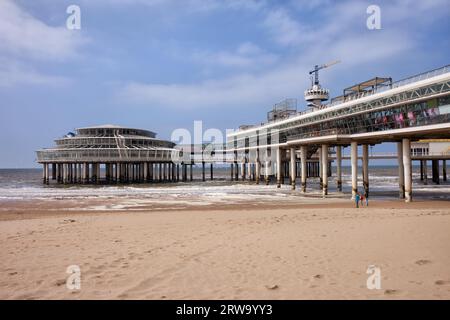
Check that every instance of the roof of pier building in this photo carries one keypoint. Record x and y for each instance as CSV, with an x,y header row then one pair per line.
x,y
110,129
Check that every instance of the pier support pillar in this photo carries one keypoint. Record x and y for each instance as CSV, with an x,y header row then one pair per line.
x,y
425,171
266,172
324,169
401,171
119,172
54,171
211,169
85,172
257,170
146,177
320,167
243,171
365,149
444,170
97,167
191,173
354,162
44,173
107,172
292,169
421,170
435,171
58,173
339,168
93,173
406,144
303,151
203,171
279,167
63,172
232,171
80,173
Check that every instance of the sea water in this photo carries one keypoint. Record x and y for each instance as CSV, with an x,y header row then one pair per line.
x,y
26,184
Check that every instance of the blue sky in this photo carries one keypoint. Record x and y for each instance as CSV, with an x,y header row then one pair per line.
x,y
161,64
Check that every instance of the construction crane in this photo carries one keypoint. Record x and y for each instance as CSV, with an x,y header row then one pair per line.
x,y
317,68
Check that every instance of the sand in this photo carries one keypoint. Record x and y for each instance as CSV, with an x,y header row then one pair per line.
x,y
309,251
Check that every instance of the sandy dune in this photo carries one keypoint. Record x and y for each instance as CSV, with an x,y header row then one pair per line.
x,y
267,252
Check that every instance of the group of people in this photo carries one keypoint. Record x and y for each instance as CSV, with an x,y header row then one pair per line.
x,y
361,199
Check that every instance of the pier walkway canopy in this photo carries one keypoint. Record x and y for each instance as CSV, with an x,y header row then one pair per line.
x,y
363,88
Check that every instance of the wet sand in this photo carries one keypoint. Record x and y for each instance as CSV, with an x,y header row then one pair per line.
x,y
257,251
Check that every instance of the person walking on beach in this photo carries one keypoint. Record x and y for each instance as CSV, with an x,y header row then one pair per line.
x,y
357,198
367,200
362,200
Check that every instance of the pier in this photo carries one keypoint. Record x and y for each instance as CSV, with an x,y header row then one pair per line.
x,y
369,113
291,145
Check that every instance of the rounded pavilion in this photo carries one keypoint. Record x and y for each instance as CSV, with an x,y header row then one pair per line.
x,y
109,153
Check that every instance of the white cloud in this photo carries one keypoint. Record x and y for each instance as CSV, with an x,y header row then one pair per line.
x,y
186,6
246,55
22,35
339,37
284,29
26,40
279,82
12,74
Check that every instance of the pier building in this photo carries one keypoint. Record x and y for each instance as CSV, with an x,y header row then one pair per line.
x,y
109,153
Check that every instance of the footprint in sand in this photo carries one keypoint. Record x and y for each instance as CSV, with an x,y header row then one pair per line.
x,y
272,287
60,282
390,291
422,262
441,282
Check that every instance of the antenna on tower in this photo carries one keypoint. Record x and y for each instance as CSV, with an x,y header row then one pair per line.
x,y
317,68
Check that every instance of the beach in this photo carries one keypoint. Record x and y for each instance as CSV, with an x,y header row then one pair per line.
x,y
315,250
